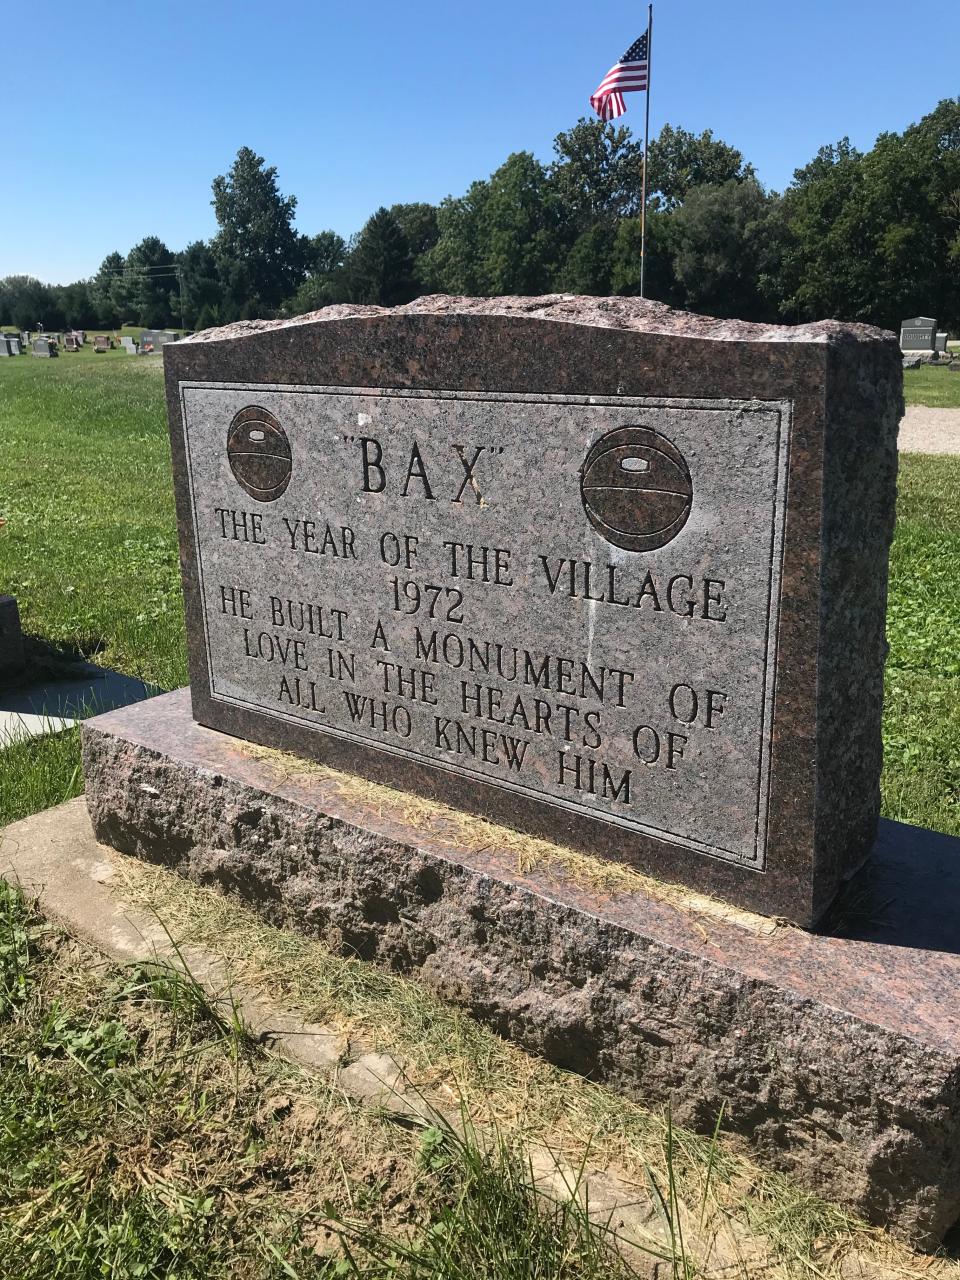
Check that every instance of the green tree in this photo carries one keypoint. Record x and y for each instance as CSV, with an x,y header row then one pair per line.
x,y
723,246
817,276
153,293
876,237
679,161
659,281
418,222
76,303
597,173
259,254
452,265
29,304
588,267
380,266
328,279
502,236
108,291
325,253
519,229
202,286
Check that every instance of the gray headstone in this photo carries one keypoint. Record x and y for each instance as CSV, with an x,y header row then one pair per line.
x,y
940,342
6,347
101,342
43,347
917,333
912,362
579,589
153,340
11,638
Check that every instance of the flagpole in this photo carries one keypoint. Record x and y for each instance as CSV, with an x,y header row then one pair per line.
x,y
646,146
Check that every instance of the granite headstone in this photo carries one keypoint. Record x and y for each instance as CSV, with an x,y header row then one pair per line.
x,y
605,572
917,333
11,638
154,340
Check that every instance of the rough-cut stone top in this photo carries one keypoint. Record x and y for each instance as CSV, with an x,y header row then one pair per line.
x,y
634,314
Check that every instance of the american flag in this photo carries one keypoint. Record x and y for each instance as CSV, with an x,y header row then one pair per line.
x,y
626,76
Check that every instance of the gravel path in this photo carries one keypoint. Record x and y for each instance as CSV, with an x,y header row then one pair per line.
x,y
924,430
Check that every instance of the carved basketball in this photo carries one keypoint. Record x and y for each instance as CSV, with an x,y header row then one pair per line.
x,y
259,453
636,488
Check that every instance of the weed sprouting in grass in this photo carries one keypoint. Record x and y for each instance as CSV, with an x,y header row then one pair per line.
x,y
173,985
18,931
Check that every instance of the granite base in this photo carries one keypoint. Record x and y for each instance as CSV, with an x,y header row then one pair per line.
x,y
836,1055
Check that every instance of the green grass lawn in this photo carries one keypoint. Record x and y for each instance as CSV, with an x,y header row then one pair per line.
x,y
934,385
89,545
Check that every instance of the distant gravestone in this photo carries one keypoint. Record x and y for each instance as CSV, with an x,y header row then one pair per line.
x,y
101,343
15,344
940,343
128,344
154,340
71,343
917,334
6,347
44,347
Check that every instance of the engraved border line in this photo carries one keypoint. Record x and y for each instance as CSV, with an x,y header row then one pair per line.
x,y
782,408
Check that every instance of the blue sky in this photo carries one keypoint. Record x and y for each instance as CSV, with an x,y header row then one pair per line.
x,y
118,117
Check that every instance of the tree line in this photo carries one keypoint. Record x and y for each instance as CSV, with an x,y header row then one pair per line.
x,y
871,236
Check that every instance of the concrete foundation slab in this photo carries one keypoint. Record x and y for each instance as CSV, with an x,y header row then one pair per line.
x,y
835,1054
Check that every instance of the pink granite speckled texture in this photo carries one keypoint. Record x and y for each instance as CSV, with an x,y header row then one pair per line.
x,y
844,386
835,1054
